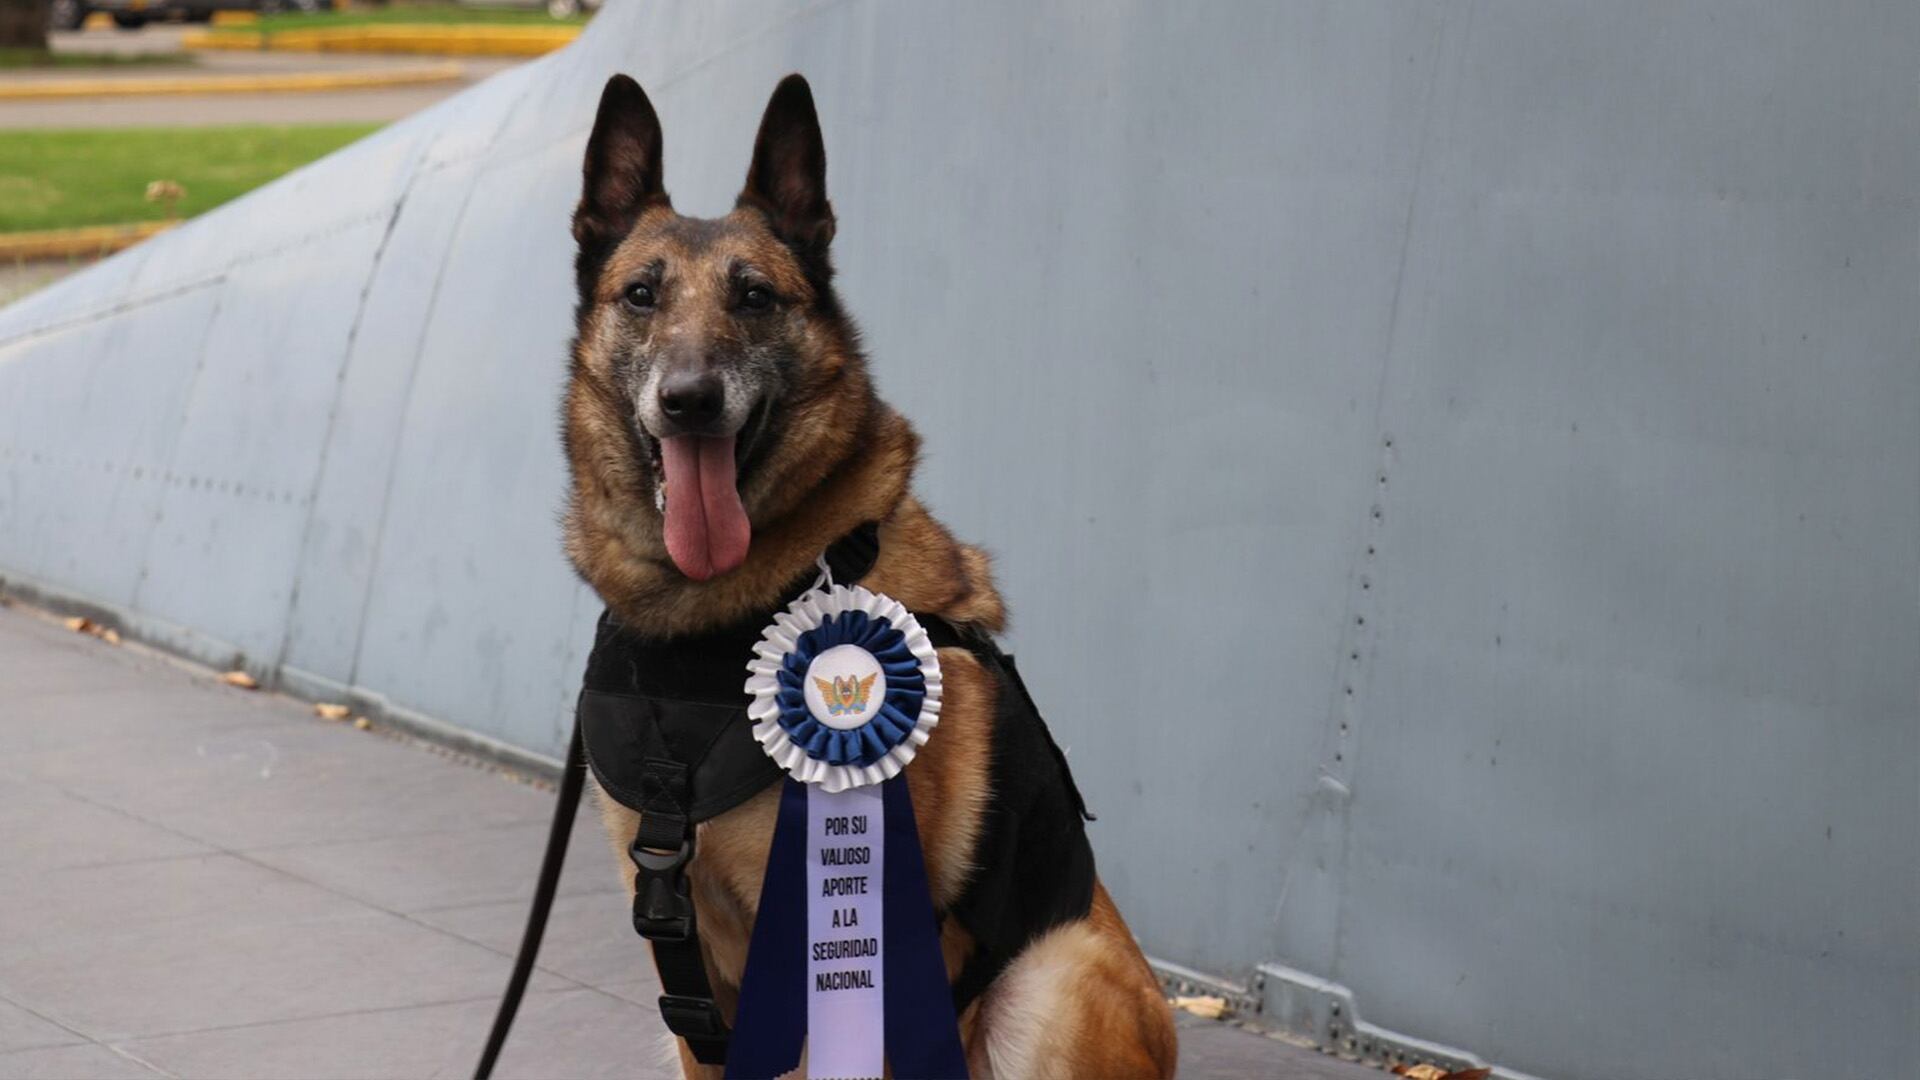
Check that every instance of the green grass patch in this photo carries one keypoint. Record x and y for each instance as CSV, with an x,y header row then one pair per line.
x,y
16,59
61,179
403,15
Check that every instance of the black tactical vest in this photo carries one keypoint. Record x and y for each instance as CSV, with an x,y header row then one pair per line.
x,y
666,733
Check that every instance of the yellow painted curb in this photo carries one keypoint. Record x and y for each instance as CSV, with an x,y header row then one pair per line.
x,y
74,243
423,38
296,82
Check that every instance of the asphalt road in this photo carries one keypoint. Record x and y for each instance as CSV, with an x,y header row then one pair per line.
x,y
275,108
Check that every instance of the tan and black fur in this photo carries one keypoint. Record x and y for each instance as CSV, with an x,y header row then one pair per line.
x,y
664,297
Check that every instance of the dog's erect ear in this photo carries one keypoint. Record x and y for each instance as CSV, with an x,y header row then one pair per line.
x,y
622,167
788,178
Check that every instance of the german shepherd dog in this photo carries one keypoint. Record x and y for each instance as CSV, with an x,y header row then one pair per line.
x,y
722,430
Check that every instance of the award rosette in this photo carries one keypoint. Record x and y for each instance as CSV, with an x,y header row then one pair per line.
x,y
846,688
845,957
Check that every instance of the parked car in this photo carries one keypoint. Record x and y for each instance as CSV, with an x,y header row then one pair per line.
x,y
133,14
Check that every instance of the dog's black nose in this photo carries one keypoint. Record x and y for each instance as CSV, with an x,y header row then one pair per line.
x,y
692,399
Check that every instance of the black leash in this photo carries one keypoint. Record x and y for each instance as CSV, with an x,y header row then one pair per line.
x,y
573,776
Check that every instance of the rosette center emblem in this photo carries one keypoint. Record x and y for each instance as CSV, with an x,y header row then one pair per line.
x,y
839,687
845,688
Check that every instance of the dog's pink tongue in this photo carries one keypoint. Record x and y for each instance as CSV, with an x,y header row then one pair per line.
x,y
707,530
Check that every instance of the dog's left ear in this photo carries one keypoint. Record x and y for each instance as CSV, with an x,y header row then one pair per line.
x,y
788,178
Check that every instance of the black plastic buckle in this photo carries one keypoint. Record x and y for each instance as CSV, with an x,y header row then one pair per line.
x,y
692,1017
662,903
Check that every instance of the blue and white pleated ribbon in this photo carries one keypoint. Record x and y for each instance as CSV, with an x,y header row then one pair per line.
x,y
845,954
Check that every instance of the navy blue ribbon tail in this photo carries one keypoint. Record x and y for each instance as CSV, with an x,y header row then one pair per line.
x,y
771,1023
923,1037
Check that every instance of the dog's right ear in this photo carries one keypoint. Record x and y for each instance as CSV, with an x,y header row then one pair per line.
x,y
622,168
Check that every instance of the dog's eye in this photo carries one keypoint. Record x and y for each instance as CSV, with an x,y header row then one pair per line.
x,y
757,298
640,296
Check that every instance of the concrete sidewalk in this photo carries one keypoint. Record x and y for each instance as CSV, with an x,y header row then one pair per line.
x,y
199,881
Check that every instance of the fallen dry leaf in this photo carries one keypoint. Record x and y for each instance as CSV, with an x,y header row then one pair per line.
x,y
362,723
80,625
1424,1071
1202,1006
240,679
331,712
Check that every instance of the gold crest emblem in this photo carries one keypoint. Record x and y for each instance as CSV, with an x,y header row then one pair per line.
x,y
845,696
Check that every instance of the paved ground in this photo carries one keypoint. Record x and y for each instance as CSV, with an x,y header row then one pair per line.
x,y
200,881
17,280
280,108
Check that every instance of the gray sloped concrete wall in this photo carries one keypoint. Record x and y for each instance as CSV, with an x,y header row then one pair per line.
x,y
1456,467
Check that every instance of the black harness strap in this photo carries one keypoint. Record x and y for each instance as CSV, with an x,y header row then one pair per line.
x,y
663,910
